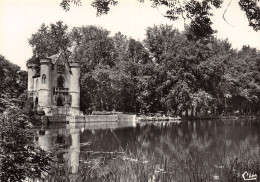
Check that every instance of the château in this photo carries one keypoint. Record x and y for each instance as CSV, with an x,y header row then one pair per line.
x,y
54,83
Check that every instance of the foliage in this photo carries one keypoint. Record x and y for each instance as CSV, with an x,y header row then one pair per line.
x,y
20,157
252,9
197,12
103,6
49,40
92,47
13,84
94,50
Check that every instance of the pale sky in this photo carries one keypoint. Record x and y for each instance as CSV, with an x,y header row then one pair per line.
x,y
19,19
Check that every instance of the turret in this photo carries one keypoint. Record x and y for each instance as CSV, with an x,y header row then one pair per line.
x,y
74,84
45,83
31,68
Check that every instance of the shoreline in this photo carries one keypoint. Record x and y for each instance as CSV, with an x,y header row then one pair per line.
x,y
143,119
232,117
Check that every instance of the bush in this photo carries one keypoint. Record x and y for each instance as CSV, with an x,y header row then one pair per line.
x,y
20,157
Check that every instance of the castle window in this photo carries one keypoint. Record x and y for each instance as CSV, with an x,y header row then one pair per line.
x,y
59,102
36,102
60,82
43,79
36,88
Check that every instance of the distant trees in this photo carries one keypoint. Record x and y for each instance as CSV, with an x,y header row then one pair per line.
x,y
166,72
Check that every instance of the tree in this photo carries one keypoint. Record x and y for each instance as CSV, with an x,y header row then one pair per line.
x,y
49,40
94,50
20,157
198,12
121,45
175,59
13,84
92,47
188,69
244,76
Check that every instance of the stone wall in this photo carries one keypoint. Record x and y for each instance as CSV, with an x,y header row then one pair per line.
x,y
57,119
126,117
120,119
111,118
101,118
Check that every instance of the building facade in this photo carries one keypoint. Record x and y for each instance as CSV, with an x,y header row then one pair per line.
x,y
54,83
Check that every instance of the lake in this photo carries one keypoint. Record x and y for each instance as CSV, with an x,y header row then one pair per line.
x,y
190,150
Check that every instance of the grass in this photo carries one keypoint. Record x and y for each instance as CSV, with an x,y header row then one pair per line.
x,y
125,166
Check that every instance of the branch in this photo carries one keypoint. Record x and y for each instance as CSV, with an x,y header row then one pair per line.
x,y
182,13
225,13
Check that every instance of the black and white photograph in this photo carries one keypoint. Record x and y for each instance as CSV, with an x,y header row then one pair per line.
x,y
129,90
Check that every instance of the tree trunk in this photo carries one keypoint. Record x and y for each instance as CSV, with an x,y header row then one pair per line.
x,y
192,111
101,104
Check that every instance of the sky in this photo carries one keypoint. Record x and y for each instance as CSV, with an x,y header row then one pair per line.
x,y
19,19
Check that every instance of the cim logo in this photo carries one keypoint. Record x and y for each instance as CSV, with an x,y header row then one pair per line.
x,y
249,176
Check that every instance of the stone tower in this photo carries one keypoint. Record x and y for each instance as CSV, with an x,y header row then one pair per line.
x,y
31,68
45,83
74,84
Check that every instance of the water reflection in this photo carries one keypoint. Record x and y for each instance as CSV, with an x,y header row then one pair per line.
x,y
66,139
76,142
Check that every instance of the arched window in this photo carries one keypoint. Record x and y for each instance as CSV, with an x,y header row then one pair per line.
x,y
60,82
43,78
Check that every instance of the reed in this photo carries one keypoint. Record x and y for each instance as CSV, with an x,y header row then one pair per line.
x,y
126,166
